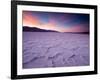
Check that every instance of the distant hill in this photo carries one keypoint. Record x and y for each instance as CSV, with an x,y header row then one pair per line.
x,y
34,29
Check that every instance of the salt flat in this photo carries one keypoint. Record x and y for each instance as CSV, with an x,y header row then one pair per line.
x,y
54,49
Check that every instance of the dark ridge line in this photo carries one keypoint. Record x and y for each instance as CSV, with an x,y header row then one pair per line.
x,y
34,29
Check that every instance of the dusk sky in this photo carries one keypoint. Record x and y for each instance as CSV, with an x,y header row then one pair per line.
x,y
62,22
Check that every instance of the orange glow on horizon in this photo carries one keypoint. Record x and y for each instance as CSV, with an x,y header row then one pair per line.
x,y
33,21
51,23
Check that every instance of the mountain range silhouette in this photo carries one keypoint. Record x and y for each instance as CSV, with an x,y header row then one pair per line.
x,y
34,29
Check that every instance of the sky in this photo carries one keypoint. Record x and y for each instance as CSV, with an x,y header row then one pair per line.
x,y
62,22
